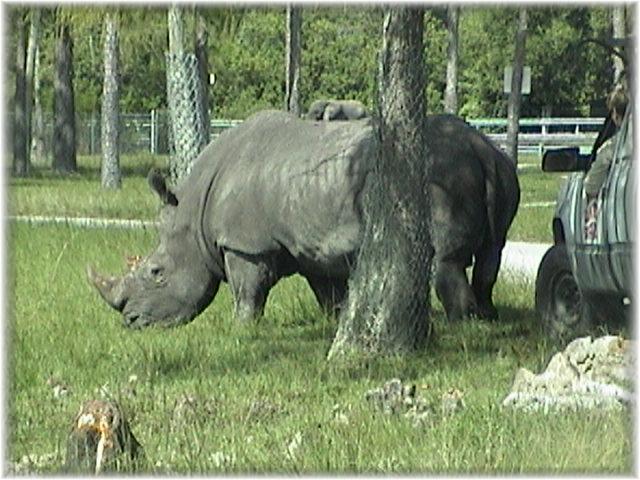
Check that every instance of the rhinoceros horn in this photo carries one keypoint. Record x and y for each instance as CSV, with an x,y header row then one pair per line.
x,y
110,288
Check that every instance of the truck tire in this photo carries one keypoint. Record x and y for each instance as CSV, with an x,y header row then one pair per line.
x,y
558,300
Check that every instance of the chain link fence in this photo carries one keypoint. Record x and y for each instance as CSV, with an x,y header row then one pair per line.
x,y
185,99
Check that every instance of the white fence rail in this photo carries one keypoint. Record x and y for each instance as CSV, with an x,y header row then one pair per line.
x,y
148,132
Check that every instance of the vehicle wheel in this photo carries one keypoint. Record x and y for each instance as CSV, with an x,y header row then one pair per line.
x,y
558,299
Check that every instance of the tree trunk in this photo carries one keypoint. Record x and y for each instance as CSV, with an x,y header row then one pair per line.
x,y
202,38
292,60
515,97
110,175
64,127
387,308
32,49
183,94
37,125
451,89
619,31
20,160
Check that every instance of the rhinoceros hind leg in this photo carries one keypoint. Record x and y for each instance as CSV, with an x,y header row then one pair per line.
x,y
454,291
250,279
330,292
485,273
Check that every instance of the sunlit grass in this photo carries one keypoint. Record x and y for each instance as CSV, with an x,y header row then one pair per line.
x,y
260,387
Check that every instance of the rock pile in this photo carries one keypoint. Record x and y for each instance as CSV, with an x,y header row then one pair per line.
x,y
395,398
589,373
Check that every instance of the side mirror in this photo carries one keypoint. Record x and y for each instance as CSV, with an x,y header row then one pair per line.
x,y
564,160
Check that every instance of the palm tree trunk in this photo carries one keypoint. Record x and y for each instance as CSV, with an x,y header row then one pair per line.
x,y
515,97
110,175
183,93
619,31
451,89
202,38
292,60
37,124
387,308
20,136
32,49
64,128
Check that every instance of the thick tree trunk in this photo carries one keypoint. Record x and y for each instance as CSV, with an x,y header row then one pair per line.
x,y
619,30
64,127
293,59
515,97
183,94
387,309
202,38
451,89
32,49
110,175
20,136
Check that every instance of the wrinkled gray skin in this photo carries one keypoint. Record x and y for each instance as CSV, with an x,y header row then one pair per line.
x,y
278,195
336,110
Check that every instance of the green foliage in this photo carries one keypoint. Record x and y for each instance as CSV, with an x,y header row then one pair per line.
x,y
250,73
339,58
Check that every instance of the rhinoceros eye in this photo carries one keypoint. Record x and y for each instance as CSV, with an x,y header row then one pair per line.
x,y
157,273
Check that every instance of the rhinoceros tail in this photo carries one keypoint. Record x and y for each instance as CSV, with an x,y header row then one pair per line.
x,y
487,153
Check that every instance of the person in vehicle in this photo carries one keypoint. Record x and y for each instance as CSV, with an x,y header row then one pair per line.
x,y
593,181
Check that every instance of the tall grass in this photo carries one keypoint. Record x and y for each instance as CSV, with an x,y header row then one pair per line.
x,y
264,398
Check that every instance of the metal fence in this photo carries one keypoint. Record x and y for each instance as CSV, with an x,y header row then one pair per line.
x,y
149,132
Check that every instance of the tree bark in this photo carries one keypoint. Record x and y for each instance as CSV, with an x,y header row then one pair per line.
x,y
619,30
37,124
183,94
387,308
64,127
515,97
20,136
202,38
111,177
451,89
32,49
293,59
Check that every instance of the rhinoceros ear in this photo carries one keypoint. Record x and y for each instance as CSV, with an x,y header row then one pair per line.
x,y
159,185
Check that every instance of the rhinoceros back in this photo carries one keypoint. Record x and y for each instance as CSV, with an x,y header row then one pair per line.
x,y
276,181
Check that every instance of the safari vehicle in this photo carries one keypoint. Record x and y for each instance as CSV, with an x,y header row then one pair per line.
x,y
585,282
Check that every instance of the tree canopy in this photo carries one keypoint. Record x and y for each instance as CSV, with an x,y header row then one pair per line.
x,y
339,57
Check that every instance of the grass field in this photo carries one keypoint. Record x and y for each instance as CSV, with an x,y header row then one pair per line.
x,y
263,397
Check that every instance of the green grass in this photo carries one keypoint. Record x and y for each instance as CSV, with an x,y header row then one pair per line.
x,y
79,194
46,193
260,386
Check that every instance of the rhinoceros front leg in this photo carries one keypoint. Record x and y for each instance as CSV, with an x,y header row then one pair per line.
x,y
330,292
250,279
485,273
453,290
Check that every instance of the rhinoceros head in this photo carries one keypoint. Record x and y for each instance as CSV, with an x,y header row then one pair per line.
x,y
173,284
